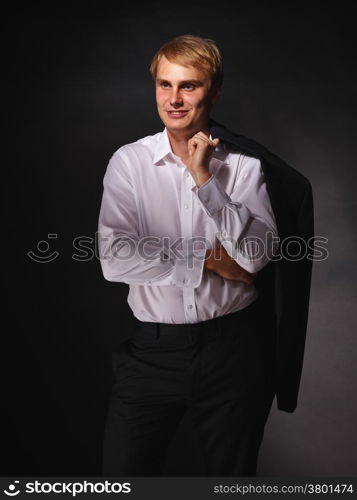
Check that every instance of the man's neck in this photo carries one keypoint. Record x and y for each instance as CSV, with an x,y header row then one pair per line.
x,y
179,141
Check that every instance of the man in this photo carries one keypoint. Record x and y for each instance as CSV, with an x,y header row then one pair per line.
x,y
187,221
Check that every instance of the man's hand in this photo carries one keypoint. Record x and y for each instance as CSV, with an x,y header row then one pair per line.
x,y
218,261
200,149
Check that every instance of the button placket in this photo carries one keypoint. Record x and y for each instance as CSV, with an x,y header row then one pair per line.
x,y
187,227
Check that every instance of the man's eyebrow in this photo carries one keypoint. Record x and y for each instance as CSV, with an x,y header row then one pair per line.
x,y
183,82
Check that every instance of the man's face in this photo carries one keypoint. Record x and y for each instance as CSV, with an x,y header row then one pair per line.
x,y
183,97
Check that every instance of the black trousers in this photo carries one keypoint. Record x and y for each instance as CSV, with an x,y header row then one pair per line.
x,y
222,371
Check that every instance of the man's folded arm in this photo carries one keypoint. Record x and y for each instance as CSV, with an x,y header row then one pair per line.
x,y
127,258
245,222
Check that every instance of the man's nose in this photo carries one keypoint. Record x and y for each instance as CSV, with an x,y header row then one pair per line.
x,y
175,98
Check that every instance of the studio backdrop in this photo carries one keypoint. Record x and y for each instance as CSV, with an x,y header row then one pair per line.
x,y
79,88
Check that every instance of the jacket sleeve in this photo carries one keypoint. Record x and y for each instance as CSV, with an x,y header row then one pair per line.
x,y
245,221
126,257
294,284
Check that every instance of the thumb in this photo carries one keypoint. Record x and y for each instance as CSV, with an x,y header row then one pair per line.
x,y
191,150
216,141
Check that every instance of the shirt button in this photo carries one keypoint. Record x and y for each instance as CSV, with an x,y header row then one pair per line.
x,y
185,280
190,306
186,206
224,233
187,174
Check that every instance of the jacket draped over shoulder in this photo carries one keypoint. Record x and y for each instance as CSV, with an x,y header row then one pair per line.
x,y
284,284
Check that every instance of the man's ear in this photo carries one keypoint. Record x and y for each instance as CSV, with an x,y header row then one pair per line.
x,y
216,94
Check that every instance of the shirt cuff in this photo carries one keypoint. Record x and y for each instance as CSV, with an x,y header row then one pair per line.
x,y
188,271
212,195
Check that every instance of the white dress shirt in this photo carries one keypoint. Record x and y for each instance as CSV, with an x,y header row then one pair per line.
x,y
155,225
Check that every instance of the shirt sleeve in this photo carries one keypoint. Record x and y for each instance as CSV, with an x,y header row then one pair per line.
x,y
245,222
126,257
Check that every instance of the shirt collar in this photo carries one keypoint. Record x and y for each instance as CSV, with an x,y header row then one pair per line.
x,y
163,148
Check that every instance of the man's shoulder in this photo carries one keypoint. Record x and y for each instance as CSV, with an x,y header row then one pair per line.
x,y
136,148
273,165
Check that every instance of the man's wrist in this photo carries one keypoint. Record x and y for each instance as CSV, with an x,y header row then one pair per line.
x,y
201,177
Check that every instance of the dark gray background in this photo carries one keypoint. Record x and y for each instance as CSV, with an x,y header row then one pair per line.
x,y
79,89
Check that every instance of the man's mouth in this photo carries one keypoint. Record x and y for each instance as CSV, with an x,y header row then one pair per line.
x,y
177,114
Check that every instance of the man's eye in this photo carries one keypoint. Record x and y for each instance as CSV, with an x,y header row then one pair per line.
x,y
188,86
164,84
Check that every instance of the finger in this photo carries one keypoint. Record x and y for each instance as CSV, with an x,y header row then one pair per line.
x,y
205,139
191,147
202,136
248,280
243,279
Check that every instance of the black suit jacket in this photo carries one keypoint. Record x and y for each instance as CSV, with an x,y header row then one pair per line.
x,y
284,284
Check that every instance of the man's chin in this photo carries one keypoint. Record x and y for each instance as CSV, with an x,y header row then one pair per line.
x,y
179,125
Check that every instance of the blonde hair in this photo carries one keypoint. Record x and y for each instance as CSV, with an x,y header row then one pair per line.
x,y
192,50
